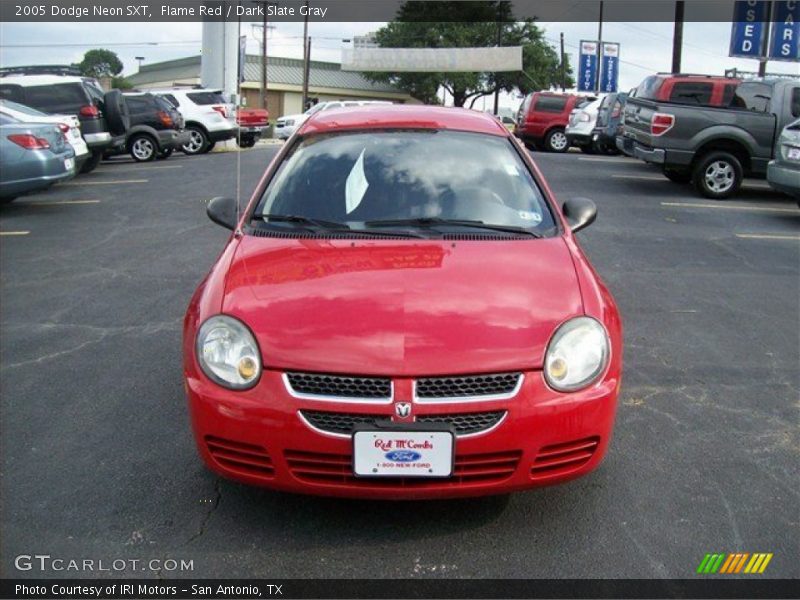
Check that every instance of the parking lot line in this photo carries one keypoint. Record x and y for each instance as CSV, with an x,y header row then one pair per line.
x,y
132,167
768,236
14,232
109,182
618,159
727,206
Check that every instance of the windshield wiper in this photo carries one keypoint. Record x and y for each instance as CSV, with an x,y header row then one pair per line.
x,y
319,223
433,221
334,226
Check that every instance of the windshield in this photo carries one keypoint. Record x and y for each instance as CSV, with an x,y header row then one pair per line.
x,y
358,178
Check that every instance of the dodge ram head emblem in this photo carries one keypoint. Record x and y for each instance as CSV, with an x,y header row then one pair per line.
x,y
402,409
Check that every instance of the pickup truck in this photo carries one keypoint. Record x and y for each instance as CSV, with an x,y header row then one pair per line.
x,y
252,122
714,148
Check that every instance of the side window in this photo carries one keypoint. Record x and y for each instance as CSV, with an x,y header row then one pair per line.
x,y
690,92
58,98
617,110
554,104
136,105
752,96
11,92
172,99
795,102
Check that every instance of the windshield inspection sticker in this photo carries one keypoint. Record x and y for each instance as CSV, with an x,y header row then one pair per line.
x,y
356,185
527,215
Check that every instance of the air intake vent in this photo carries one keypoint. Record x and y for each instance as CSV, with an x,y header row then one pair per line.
x,y
337,386
247,459
300,234
343,423
473,386
560,459
336,470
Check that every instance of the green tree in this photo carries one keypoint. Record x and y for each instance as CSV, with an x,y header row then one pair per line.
x,y
481,24
100,63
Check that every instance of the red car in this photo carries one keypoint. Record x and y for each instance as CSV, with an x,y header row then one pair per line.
x,y
402,311
543,117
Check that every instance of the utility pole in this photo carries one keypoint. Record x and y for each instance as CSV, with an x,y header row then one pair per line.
x,y
306,58
677,37
762,62
262,93
563,66
599,48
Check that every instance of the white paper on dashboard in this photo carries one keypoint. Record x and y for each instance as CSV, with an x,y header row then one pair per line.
x,y
356,185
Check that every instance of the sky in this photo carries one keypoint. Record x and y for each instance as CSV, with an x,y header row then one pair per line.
x,y
645,47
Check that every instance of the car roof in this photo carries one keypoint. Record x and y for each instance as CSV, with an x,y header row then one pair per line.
x,y
41,79
398,116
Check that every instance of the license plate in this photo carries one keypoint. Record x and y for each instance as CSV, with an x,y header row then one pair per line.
x,y
794,153
69,163
402,453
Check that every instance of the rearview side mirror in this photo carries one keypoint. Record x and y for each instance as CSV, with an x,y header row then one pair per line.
x,y
223,211
580,213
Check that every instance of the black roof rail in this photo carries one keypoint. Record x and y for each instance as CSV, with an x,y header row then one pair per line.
x,y
71,70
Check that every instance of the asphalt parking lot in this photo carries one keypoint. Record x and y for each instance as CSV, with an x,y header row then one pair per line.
x,y
98,460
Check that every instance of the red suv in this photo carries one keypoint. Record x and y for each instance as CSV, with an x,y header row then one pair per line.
x,y
706,90
542,118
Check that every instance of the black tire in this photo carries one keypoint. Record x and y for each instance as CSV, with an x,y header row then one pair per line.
x,y
677,176
589,149
198,143
92,162
556,141
532,146
143,147
165,154
717,175
247,142
115,111
210,147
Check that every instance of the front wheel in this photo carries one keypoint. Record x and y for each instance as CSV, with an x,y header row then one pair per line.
x,y
718,175
556,141
165,153
198,141
143,148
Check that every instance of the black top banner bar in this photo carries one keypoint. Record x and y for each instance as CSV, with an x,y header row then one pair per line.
x,y
345,10
151,589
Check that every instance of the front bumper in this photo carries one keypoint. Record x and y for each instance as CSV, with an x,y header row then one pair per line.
x,y
258,437
784,178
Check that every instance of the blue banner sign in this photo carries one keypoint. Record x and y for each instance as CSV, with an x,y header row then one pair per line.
x,y
750,28
610,70
587,67
785,43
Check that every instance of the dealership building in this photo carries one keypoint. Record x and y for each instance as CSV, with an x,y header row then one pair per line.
x,y
327,81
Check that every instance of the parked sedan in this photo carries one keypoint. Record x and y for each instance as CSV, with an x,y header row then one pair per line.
x,y
402,311
33,157
69,125
783,173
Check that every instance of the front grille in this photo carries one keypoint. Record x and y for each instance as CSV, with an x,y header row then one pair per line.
x,y
247,459
472,386
337,470
343,423
336,386
560,459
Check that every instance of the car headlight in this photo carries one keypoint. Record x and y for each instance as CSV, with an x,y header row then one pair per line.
x,y
228,353
289,122
577,354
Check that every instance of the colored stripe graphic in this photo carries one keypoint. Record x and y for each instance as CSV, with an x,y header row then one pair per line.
x,y
734,562
741,562
766,562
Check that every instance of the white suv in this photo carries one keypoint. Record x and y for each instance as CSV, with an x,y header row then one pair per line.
x,y
209,117
288,124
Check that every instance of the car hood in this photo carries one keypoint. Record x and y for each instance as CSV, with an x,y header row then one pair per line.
x,y
402,307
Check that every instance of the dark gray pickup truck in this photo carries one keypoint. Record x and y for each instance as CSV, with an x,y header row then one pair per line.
x,y
714,148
